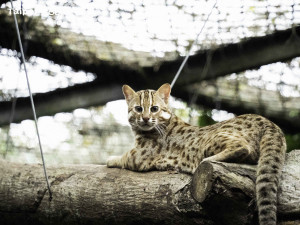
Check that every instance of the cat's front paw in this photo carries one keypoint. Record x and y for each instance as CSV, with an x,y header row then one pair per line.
x,y
114,161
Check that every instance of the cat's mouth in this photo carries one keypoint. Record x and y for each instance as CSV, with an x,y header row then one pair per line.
x,y
146,126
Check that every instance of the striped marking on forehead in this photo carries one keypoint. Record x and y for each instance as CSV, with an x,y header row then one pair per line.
x,y
146,97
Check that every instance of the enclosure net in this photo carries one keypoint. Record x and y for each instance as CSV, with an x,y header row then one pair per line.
x,y
147,33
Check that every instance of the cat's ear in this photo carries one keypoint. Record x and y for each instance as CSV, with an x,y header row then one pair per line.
x,y
128,92
164,92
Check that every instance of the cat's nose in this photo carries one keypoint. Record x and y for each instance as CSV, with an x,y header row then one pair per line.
x,y
145,119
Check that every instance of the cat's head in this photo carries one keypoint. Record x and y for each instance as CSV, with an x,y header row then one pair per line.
x,y
148,109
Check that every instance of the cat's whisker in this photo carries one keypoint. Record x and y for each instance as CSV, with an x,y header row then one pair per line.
x,y
160,130
157,130
162,125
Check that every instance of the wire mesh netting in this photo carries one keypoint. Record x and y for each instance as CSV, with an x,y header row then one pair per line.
x,y
165,29
145,34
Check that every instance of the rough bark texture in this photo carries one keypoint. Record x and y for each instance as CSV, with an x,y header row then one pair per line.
x,y
93,194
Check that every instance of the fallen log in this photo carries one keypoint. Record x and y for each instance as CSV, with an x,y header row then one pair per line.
x,y
93,194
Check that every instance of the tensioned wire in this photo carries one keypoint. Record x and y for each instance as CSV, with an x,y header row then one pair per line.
x,y
191,48
31,100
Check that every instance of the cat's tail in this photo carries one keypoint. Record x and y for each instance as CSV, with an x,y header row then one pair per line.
x,y
271,160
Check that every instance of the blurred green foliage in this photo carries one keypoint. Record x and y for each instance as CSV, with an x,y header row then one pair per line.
x,y
293,141
205,118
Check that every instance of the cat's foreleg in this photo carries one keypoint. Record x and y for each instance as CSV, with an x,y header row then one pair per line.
x,y
126,161
114,161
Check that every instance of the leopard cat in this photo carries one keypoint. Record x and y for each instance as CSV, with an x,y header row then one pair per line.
x,y
164,142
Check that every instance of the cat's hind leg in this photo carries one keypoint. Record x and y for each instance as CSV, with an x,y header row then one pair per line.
x,y
235,152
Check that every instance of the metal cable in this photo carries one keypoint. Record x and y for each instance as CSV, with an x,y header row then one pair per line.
x,y
31,100
190,51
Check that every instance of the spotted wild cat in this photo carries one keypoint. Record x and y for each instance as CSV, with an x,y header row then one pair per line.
x,y
163,142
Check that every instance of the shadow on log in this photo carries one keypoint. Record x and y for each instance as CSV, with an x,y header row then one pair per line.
x,y
90,194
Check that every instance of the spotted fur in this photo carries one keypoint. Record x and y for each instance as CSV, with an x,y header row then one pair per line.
x,y
164,142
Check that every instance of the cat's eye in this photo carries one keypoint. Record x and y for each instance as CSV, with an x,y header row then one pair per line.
x,y
154,108
138,108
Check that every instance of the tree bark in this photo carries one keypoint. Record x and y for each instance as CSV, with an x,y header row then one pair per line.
x,y
91,194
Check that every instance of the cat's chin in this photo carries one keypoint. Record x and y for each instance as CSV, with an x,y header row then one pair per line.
x,y
146,128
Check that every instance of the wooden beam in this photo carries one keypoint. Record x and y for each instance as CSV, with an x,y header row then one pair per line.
x,y
95,94
65,47
61,100
289,122
250,53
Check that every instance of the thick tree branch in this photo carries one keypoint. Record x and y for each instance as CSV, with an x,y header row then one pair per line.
x,y
90,194
94,195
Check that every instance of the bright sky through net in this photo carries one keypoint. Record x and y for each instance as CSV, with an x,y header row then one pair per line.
x,y
167,26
